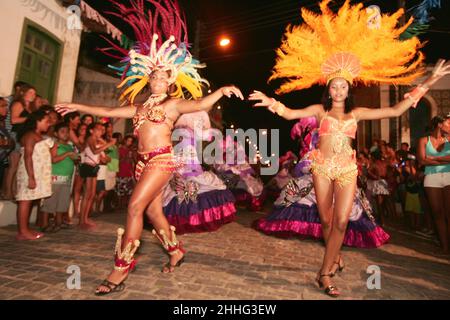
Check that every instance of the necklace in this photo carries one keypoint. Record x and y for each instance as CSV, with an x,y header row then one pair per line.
x,y
154,100
151,110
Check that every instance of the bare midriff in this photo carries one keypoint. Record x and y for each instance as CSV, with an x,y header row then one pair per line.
x,y
330,146
153,135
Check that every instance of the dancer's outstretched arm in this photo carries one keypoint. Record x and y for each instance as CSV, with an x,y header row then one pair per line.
x,y
283,111
111,112
206,103
441,69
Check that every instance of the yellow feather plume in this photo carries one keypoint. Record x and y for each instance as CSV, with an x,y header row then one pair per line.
x,y
193,86
382,57
133,90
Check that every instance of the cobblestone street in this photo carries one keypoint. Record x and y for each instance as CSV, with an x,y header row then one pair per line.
x,y
235,262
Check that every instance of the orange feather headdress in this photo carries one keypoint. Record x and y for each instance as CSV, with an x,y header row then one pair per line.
x,y
358,44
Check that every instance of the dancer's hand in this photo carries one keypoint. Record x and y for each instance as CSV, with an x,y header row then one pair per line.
x,y
228,91
265,100
441,69
65,108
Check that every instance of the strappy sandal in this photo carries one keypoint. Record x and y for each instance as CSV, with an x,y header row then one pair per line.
x,y
340,267
331,290
111,286
171,267
172,246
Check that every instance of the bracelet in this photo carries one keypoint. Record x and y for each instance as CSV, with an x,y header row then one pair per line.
x,y
272,105
277,107
282,107
416,94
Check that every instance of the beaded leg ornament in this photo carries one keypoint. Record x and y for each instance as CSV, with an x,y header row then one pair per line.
x,y
124,259
171,246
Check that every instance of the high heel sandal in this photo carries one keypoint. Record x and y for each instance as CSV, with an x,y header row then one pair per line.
x,y
340,267
172,247
171,267
124,262
331,290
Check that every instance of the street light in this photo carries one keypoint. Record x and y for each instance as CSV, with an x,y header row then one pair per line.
x,y
224,42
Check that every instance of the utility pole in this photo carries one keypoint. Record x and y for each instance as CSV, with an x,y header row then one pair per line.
x,y
198,30
395,124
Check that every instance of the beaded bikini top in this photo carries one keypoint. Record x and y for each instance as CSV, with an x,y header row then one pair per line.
x,y
338,130
333,126
152,111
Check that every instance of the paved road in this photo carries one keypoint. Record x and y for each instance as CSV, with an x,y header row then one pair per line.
x,y
235,262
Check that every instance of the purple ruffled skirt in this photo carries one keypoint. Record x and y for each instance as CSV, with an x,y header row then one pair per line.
x,y
211,210
303,221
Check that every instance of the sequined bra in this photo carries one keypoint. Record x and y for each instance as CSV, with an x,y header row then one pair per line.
x,y
333,126
151,111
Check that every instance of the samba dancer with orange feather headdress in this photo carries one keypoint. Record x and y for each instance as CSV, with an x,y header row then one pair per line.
x,y
354,45
161,61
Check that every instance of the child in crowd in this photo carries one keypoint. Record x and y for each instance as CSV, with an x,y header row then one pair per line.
x,y
80,144
110,200
106,178
93,156
73,121
63,165
378,185
413,207
125,182
34,170
87,119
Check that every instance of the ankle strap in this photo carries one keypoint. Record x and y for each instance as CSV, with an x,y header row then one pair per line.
x,y
171,246
124,259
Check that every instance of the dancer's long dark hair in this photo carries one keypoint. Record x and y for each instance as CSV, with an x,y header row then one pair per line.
x,y
327,102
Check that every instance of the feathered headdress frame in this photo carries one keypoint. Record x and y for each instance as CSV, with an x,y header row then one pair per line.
x,y
161,45
358,44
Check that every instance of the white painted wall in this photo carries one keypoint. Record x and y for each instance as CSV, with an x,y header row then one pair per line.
x,y
96,88
12,17
8,211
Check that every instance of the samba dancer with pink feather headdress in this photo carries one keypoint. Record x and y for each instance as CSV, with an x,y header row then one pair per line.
x,y
159,61
337,50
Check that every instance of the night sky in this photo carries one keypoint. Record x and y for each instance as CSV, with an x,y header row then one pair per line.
x,y
255,29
